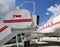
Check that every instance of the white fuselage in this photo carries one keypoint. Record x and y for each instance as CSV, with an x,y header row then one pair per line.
x,y
52,28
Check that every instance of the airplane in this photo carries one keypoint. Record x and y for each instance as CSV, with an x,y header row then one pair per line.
x,y
21,21
51,28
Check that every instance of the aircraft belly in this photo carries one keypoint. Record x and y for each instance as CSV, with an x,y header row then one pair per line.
x,y
55,31
51,29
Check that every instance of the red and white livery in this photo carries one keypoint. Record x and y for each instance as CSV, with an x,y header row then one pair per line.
x,y
52,27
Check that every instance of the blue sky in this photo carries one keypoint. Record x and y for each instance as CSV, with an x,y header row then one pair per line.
x,y
41,8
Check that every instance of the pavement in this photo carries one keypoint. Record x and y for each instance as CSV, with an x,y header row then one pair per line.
x,y
45,42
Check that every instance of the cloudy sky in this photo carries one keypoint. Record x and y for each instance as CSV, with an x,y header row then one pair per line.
x,y
46,9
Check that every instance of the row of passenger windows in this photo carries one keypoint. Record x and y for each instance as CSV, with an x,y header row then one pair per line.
x,y
47,25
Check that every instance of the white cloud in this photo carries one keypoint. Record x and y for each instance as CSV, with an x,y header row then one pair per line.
x,y
6,6
55,10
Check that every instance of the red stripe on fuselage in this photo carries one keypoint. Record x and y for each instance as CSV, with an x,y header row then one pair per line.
x,y
50,25
17,20
3,28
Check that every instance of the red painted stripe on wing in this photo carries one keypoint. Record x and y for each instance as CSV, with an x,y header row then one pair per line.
x,y
3,28
50,25
17,20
